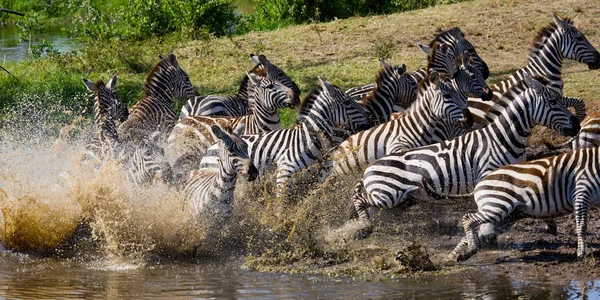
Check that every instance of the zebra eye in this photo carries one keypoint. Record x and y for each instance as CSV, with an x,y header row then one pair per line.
x,y
579,38
269,86
552,101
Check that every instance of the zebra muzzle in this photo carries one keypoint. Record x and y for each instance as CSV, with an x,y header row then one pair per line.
x,y
252,173
487,95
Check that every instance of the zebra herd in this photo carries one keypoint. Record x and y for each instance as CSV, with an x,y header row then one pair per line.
x,y
440,131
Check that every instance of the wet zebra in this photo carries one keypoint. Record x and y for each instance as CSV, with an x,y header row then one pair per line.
x,y
559,40
107,110
192,136
543,188
454,167
292,150
419,124
210,191
155,112
236,105
145,161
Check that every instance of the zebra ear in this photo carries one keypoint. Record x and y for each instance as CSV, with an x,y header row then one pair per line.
x,y
173,60
401,69
112,83
326,86
263,60
254,59
457,34
560,23
254,78
90,85
222,135
533,84
425,49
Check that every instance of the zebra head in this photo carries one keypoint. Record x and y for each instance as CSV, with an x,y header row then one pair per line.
x,y
393,81
573,44
107,104
277,74
268,94
445,102
345,112
147,162
470,80
168,73
233,153
549,108
455,39
441,58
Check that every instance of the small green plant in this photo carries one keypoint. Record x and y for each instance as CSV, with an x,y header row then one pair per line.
x,y
383,50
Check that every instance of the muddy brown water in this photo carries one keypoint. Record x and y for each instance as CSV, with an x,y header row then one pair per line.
x,y
25,276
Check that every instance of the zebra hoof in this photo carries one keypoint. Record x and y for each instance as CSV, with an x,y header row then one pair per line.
x,y
363,232
463,255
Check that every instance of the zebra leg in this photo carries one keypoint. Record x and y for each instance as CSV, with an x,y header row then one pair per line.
x,y
361,210
470,222
581,206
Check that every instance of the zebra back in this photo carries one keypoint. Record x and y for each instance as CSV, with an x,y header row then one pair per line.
x,y
155,111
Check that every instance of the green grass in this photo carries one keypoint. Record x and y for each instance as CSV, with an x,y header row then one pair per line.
x,y
344,52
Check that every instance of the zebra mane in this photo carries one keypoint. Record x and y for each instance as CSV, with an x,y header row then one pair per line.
x,y
518,88
259,70
426,82
161,66
307,103
446,34
379,79
101,109
542,36
251,87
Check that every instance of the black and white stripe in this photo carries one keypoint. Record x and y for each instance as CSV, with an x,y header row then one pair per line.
x,y
292,150
236,105
454,167
543,188
155,112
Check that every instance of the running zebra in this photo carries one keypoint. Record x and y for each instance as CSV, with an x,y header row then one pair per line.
x,y
236,105
155,112
559,40
455,39
107,110
145,161
453,167
295,149
210,191
419,125
192,136
543,188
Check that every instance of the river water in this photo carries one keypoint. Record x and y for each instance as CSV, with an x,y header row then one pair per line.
x,y
11,49
29,277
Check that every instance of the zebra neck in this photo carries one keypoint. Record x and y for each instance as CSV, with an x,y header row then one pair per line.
x,y
455,82
512,128
262,121
546,62
419,120
320,129
226,176
160,88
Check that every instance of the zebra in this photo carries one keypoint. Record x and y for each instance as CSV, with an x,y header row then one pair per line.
x,y
453,167
559,40
209,192
418,126
295,149
588,136
455,39
144,162
396,90
107,110
192,136
155,111
236,105
543,188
